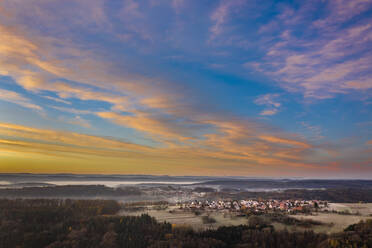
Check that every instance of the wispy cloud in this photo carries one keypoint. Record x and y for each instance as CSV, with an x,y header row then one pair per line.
x,y
177,5
269,112
327,58
65,138
77,120
16,98
221,149
73,110
221,14
315,130
270,101
57,99
102,61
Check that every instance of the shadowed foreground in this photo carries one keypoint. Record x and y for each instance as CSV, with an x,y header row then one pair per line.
x,y
93,223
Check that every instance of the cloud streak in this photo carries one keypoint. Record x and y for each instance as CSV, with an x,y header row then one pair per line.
x,y
109,69
14,97
326,59
270,101
221,14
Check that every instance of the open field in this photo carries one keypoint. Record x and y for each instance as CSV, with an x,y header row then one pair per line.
x,y
95,223
358,212
340,222
333,222
188,218
364,209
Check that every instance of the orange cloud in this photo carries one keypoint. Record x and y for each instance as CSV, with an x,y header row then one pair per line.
x,y
191,140
16,98
269,112
161,126
283,141
232,149
188,135
21,133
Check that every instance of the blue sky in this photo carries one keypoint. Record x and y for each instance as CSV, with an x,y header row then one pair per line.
x,y
280,88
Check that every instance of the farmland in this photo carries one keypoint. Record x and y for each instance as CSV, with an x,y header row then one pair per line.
x,y
331,222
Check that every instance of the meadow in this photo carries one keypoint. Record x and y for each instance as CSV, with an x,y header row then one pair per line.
x,y
330,222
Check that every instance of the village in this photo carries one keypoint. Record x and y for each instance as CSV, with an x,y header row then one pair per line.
x,y
290,206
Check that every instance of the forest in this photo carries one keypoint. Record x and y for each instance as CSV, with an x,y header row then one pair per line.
x,y
343,195
93,223
70,191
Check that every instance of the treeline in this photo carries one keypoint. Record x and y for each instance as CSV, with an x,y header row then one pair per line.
x,y
69,191
76,223
287,220
343,195
347,195
357,235
289,184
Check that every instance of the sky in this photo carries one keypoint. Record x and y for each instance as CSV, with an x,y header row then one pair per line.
x,y
184,87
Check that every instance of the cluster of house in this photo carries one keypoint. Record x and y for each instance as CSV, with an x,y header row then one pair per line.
x,y
258,206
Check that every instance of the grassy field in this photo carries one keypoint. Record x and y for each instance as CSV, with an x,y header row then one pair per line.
x,y
333,222
361,208
188,218
336,222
